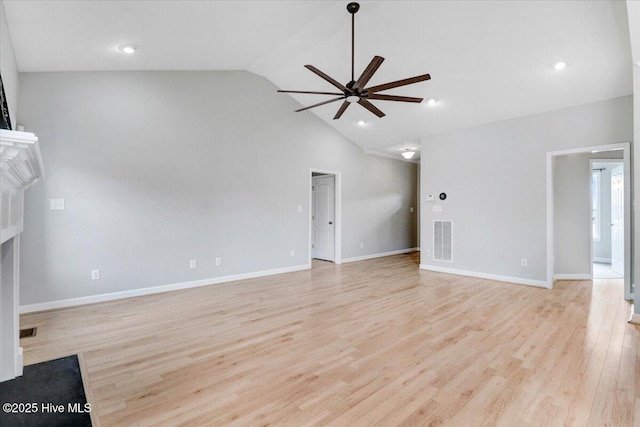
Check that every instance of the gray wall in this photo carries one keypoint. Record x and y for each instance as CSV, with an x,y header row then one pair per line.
x,y
572,218
495,176
157,168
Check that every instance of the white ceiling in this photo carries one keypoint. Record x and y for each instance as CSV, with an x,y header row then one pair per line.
x,y
489,60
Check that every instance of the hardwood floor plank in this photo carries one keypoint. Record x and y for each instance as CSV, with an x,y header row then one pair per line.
x,y
377,342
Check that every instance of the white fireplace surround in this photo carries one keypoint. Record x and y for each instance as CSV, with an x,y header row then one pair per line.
x,y
20,167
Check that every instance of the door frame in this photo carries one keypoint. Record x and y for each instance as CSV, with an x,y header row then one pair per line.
x,y
338,214
626,160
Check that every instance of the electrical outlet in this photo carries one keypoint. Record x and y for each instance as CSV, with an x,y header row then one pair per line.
x,y
427,252
411,209
95,274
56,204
219,261
193,264
293,252
523,262
361,245
299,208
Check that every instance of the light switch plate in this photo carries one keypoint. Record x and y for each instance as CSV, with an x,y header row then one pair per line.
x,y
57,204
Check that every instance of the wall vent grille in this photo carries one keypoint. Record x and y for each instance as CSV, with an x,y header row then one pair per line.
x,y
443,241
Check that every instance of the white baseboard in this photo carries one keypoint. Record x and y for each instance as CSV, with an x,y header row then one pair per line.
x,y
20,362
71,302
602,260
635,317
509,279
572,277
380,255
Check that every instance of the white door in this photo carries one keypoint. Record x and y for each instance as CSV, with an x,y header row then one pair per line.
x,y
323,245
617,220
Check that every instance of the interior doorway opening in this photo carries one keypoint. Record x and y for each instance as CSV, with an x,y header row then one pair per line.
x,y
564,254
325,216
607,218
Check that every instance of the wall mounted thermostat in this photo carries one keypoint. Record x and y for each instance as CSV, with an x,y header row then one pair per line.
x,y
443,196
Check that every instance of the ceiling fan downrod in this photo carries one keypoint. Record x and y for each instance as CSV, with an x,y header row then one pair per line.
x,y
353,8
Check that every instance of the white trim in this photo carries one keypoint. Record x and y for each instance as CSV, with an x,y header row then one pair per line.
x,y
626,160
572,277
602,260
380,255
635,318
19,362
499,278
71,302
550,223
338,214
599,213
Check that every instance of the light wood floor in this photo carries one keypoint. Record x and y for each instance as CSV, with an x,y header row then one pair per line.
x,y
370,343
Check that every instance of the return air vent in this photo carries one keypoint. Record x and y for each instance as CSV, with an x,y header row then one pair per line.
x,y
443,241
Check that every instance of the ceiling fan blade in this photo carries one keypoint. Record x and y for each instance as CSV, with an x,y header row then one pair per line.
x,y
403,82
320,103
310,92
342,109
368,72
327,78
369,106
381,97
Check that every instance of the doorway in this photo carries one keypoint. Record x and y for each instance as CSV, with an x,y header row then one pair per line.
x,y
607,216
325,216
624,196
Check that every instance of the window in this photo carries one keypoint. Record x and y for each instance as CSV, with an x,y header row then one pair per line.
x,y
596,211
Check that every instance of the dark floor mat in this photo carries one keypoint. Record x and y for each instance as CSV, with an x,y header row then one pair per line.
x,y
47,394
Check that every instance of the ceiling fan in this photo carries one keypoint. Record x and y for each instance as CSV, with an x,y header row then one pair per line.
x,y
355,90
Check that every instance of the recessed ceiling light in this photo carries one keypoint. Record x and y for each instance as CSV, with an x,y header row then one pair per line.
x,y
128,48
560,65
432,101
362,123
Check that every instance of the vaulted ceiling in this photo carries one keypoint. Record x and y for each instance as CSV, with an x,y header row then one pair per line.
x,y
489,60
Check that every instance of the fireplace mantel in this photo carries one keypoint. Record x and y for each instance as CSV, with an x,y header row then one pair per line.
x,y
20,168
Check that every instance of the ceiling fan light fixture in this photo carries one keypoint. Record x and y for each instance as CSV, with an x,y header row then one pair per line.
x,y
352,98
